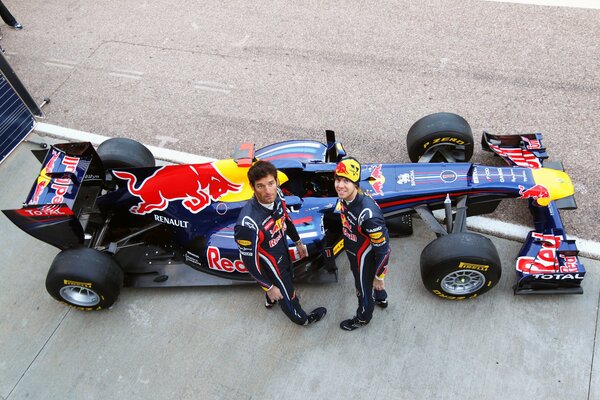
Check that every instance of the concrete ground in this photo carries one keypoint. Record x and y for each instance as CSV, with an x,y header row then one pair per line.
x,y
221,343
203,78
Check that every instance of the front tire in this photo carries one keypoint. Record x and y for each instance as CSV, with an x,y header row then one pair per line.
x,y
440,137
85,278
460,266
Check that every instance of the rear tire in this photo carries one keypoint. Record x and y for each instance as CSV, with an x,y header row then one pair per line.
x,y
440,137
460,266
125,153
85,278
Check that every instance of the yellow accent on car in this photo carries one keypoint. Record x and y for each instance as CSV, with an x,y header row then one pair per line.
x,y
235,174
557,182
243,242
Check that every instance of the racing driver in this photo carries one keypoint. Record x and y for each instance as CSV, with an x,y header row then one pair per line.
x,y
366,241
260,233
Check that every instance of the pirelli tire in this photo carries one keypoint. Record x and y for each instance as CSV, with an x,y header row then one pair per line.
x,y
460,266
85,278
440,137
125,153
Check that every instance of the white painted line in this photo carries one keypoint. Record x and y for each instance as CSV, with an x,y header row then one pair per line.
x,y
213,86
124,75
62,61
165,139
211,89
128,71
593,4
242,42
587,248
74,135
51,64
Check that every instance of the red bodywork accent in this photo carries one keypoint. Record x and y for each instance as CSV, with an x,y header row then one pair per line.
x,y
378,180
519,156
45,211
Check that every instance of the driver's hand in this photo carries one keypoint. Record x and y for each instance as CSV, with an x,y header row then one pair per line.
x,y
302,250
274,294
378,284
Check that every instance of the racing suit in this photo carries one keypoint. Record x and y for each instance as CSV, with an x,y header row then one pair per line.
x,y
367,244
261,237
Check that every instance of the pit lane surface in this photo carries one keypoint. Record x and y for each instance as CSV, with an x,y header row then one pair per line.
x,y
205,77
220,343
255,72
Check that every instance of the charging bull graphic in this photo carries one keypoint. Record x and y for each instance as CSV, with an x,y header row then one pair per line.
x,y
377,180
534,192
195,185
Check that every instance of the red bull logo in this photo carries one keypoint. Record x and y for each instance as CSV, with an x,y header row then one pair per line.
x,y
195,185
534,192
345,222
275,226
377,180
341,169
39,189
349,169
43,179
59,185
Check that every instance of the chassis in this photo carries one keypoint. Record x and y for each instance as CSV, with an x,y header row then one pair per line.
x,y
119,220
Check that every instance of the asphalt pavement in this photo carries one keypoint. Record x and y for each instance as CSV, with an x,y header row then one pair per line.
x,y
203,78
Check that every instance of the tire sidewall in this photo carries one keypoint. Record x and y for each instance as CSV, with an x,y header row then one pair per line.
x,y
462,264
125,153
439,129
85,268
456,252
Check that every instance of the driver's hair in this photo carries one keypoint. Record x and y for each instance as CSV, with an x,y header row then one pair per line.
x,y
261,169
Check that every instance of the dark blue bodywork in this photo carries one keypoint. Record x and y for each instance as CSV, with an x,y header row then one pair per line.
x,y
185,238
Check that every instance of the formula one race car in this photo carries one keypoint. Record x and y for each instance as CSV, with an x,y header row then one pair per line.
x,y
120,220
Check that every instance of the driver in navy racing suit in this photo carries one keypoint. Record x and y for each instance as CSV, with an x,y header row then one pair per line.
x,y
261,234
366,241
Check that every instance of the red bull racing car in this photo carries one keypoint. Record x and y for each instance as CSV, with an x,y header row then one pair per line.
x,y
119,220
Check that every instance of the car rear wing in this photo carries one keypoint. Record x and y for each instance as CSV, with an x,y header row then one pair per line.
x,y
71,177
